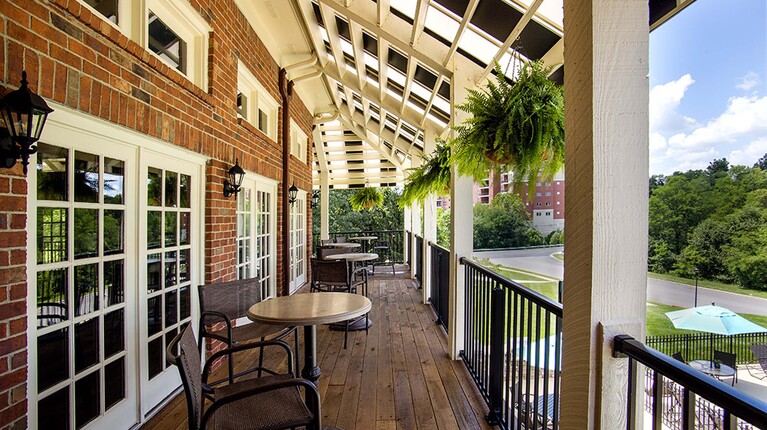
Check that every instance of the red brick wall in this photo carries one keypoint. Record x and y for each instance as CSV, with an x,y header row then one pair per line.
x,y
75,58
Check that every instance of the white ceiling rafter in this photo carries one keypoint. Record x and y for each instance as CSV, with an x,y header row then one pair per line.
x,y
434,92
329,18
470,9
359,53
419,20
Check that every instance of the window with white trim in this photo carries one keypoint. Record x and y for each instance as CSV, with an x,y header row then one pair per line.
x,y
254,104
298,141
177,34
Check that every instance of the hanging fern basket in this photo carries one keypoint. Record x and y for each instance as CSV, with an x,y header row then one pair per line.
x,y
366,198
431,177
515,126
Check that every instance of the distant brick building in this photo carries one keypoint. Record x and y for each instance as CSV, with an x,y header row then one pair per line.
x,y
546,207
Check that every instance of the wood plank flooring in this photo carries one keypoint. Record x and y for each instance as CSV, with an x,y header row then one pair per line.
x,y
397,376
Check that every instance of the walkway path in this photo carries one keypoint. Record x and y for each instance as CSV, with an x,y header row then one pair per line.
x,y
658,291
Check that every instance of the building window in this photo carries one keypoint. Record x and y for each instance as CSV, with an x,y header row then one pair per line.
x,y
557,192
548,193
548,213
109,9
298,141
538,194
548,203
166,43
538,204
538,184
177,34
255,105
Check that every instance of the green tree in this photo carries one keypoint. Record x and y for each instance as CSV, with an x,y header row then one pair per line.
x,y
504,223
443,227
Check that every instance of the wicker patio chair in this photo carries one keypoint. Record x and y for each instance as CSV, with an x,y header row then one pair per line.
x,y
337,276
385,258
269,402
760,352
226,302
730,360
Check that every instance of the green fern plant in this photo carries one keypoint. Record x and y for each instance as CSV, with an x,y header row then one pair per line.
x,y
432,176
517,126
366,198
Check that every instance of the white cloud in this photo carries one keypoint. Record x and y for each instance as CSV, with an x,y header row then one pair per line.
x,y
664,101
748,81
749,154
739,133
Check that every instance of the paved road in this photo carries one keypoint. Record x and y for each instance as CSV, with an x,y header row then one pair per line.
x,y
658,291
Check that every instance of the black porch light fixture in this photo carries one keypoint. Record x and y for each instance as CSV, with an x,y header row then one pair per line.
x,y
292,194
315,198
24,113
232,185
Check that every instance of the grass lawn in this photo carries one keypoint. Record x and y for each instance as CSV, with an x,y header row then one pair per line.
x,y
658,323
714,285
559,256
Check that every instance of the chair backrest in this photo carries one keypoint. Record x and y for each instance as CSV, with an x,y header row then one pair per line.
x,y
726,358
231,298
340,239
326,241
678,356
760,352
183,353
331,272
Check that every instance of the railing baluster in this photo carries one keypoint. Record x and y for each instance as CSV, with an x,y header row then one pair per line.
x,y
496,357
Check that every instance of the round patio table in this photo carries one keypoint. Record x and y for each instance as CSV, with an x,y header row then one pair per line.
x,y
365,241
347,245
707,367
308,310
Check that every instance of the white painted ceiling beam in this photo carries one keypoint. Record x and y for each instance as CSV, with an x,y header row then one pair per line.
x,y
470,9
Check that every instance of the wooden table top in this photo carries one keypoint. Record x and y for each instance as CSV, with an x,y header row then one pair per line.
x,y
310,309
341,245
354,256
363,238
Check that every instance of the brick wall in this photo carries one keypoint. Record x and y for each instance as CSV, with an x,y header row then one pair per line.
x,y
75,58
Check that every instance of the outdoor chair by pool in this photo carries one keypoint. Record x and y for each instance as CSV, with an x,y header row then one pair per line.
x,y
730,360
223,303
760,352
269,402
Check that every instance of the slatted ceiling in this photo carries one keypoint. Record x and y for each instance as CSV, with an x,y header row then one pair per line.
x,y
486,18
558,76
394,81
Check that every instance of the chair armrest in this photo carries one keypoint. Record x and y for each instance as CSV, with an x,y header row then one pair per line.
x,y
219,317
244,347
311,390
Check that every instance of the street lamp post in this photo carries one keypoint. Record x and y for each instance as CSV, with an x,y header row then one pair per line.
x,y
696,286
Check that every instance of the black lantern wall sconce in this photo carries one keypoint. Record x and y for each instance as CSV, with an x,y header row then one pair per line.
x,y
232,185
292,194
315,198
24,114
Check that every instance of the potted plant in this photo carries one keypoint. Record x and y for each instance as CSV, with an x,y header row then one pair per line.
x,y
432,176
366,198
516,125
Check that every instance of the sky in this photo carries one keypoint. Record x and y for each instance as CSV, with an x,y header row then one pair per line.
x,y
708,86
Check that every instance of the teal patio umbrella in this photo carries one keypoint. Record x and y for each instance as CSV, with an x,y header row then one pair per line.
x,y
713,319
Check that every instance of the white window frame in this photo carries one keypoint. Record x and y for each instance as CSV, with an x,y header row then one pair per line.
x,y
299,141
180,17
258,183
125,17
298,242
255,98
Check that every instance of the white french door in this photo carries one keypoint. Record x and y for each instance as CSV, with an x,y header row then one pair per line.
x,y
256,232
81,230
169,244
298,242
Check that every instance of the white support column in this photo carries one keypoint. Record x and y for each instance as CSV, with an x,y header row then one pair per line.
x,y
429,218
324,205
417,229
461,224
606,110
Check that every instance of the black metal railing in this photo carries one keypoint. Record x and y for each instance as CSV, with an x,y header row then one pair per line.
x,y
439,288
394,238
418,273
679,397
700,346
512,348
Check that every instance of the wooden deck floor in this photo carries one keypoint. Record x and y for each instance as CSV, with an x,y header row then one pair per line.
x,y
397,376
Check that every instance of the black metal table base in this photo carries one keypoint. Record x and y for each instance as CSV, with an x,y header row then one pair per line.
x,y
357,324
